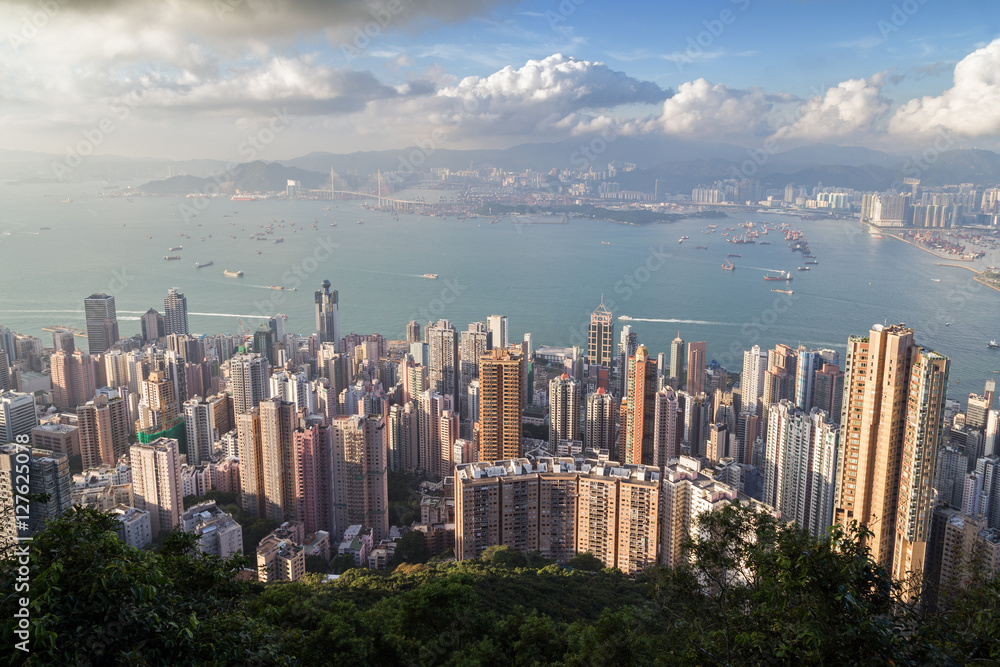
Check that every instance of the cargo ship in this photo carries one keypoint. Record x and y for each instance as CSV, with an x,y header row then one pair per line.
x,y
232,274
179,247
202,265
728,266
169,257
783,275
804,268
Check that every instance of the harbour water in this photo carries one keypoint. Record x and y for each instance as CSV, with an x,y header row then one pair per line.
x,y
545,278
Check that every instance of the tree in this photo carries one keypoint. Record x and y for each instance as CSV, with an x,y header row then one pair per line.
x,y
342,563
317,564
411,548
759,590
586,561
504,556
95,600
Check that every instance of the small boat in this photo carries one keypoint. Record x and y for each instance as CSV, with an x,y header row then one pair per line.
x,y
258,252
169,257
784,291
275,287
432,276
148,236
993,345
201,265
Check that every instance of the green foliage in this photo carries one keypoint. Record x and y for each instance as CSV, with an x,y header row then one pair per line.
x,y
404,501
342,564
411,548
317,564
587,562
220,498
537,431
94,600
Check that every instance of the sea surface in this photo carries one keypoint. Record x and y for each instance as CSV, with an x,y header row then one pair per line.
x,y
547,278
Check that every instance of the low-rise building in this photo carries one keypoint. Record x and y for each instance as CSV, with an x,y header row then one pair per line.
x,y
218,533
133,526
357,543
280,559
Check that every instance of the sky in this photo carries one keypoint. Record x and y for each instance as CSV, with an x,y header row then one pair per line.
x,y
187,79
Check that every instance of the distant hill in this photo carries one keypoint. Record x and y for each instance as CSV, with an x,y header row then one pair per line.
x,y
250,177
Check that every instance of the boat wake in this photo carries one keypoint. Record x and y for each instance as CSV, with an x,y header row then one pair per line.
x,y
679,321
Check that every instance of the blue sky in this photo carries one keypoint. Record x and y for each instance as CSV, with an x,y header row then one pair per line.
x,y
194,79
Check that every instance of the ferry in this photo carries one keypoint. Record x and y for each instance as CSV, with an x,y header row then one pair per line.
x,y
169,257
993,345
432,276
783,275
200,265
784,291
232,274
625,317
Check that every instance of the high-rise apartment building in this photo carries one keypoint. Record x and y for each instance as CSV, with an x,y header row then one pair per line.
x,y
438,431
156,482
696,368
894,394
403,428
328,315
360,453
175,312
828,390
251,457
800,463
500,406
752,379
564,410
666,418
497,326
677,358
74,378
17,414
277,427
104,431
102,322
628,343
639,417
313,471
473,344
199,425
153,326
248,381
443,359
413,332
602,415
601,337
807,363
46,472
687,493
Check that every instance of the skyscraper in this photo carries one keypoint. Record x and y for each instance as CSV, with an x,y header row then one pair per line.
x,y
42,471
666,443
104,430
73,378
277,426
894,394
436,433
156,482
199,424
828,390
248,381
696,368
328,315
807,363
752,379
360,491
799,465
500,377
497,326
313,472
413,332
639,418
175,312
564,410
153,325
601,339
677,357
102,322
251,462
628,343
602,413
442,352
473,344
17,414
